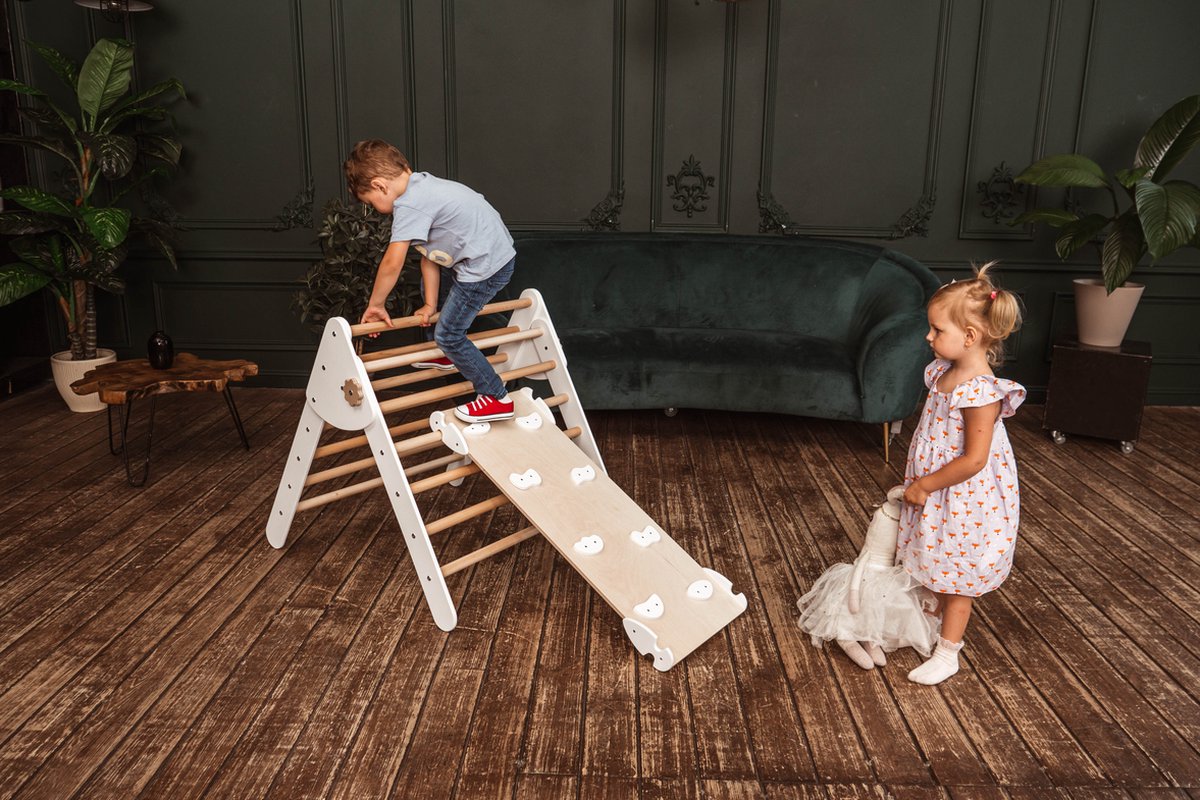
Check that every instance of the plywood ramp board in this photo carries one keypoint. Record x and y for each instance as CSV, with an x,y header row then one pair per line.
x,y
576,505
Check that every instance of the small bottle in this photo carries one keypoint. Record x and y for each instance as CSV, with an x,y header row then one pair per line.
x,y
161,350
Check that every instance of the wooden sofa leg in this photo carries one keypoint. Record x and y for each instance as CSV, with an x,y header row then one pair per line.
x,y
890,430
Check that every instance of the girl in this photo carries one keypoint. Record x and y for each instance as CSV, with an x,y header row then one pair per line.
x,y
958,527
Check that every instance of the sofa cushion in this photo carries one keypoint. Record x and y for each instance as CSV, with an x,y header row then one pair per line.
x,y
735,370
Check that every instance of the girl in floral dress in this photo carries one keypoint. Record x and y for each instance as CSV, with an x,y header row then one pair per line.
x,y
958,527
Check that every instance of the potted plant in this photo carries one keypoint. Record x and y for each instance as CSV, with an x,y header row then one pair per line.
x,y
1159,217
352,238
72,240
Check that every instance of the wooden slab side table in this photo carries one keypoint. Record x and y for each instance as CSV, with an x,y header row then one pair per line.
x,y
1097,391
121,382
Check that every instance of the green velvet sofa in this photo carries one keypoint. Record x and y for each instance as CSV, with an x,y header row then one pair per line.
x,y
813,327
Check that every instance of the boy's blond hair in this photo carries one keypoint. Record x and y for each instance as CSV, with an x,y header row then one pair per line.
x,y
370,159
980,304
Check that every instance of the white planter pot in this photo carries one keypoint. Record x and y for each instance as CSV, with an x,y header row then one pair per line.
x,y
1103,318
67,372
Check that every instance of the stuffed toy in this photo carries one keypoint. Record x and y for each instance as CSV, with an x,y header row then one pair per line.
x,y
873,606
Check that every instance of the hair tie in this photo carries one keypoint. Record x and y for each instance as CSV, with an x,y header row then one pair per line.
x,y
993,294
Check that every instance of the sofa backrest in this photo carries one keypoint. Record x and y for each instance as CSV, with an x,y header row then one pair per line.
x,y
817,287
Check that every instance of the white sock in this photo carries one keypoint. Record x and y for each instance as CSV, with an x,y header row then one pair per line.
x,y
941,665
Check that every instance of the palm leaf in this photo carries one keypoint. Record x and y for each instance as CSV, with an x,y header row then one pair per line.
x,y
18,280
1122,250
1076,234
1170,138
1168,214
1066,170
1054,217
63,67
105,76
36,200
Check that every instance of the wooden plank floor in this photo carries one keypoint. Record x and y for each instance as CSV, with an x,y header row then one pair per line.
x,y
152,644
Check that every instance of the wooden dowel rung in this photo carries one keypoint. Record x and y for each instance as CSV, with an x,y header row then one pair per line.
x,y
427,375
425,484
498,546
433,463
461,388
432,352
375,355
358,441
470,512
338,494
413,321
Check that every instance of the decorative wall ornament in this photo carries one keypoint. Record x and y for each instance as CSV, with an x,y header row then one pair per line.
x,y
915,221
606,215
1000,194
299,212
691,187
773,217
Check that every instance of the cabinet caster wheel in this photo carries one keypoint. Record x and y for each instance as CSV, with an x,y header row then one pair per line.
x,y
670,411
1058,437
1127,447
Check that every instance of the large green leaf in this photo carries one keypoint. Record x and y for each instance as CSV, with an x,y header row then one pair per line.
x,y
108,225
49,120
1168,214
1068,169
114,153
162,148
170,84
9,85
18,280
1054,217
1170,138
1076,234
19,223
1122,250
105,76
1129,177
44,253
36,200
40,142
63,67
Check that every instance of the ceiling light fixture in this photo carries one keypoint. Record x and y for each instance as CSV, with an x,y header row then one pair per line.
x,y
115,10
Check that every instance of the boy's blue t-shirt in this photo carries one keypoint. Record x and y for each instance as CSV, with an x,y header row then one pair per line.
x,y
453,226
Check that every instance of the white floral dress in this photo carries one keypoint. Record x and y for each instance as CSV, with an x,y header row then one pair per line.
x,y
962,540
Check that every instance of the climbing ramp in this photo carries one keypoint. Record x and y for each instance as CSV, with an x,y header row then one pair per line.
x,y
669,604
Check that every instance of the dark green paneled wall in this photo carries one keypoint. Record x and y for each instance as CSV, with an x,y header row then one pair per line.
x,y
872,119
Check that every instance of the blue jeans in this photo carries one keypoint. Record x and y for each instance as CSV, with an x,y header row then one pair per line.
x,y
459,304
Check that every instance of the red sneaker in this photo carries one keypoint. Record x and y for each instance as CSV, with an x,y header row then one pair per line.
x,y
435,363
484,408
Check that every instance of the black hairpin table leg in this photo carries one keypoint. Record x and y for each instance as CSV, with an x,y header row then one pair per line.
x,y
125,412
237,420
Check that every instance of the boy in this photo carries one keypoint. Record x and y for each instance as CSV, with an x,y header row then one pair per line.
x,y
467,256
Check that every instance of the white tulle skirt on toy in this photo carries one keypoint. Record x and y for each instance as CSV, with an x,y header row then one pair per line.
x,y
891,613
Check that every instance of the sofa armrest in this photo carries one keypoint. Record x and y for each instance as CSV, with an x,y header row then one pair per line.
x,y
890,362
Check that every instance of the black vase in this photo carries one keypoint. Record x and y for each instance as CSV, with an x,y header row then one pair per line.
x,y
161,350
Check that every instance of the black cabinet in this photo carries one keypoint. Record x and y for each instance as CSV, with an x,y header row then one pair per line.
x,y
1097,391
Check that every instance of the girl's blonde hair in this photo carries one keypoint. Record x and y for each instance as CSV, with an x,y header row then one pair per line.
x,y
979,303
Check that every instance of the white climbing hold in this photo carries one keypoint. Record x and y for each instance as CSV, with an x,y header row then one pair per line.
x,y
700,590
589,545
583,474
526,479
651,609
477,428
529,423
645,537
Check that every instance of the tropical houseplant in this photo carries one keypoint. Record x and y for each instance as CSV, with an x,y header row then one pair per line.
x,y
1150,214
72,238
353,237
